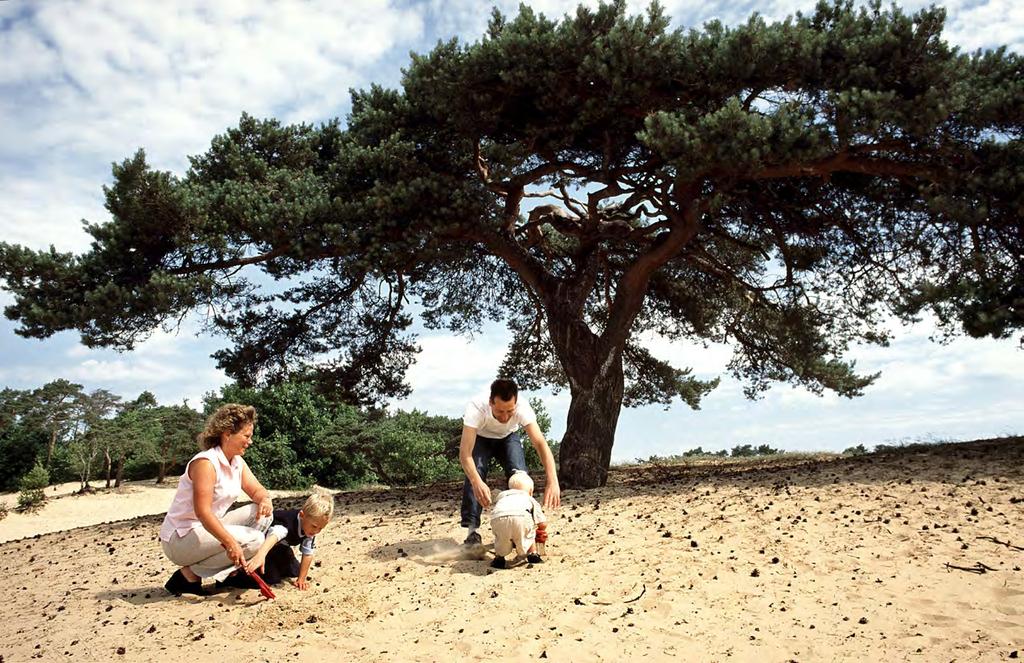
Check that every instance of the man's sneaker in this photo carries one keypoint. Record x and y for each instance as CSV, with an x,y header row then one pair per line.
x,y
473,540
498,563
534,558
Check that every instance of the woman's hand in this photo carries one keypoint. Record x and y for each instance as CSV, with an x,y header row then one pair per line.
x,y
235,553
257,493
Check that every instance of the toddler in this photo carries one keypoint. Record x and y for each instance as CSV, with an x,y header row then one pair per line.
x,y
514,520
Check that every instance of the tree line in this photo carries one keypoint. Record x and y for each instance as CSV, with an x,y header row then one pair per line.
x,y
302,438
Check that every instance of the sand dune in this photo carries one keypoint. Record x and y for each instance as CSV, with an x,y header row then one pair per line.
x,y
870,558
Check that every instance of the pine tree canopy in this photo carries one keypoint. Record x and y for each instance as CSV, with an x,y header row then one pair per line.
x,y
785,187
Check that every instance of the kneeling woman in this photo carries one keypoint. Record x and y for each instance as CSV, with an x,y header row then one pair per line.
x,y
199,534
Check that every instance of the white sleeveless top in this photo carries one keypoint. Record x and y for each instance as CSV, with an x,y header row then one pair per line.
x,y
181,516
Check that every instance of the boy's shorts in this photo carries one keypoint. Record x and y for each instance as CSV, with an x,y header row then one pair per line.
x,y
512,532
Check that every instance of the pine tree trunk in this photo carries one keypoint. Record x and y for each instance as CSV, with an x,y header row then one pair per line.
x,y
596,383
49,448
110,466
120,472
586,448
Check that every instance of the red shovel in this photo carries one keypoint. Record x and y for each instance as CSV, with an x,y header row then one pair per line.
x,y
264,587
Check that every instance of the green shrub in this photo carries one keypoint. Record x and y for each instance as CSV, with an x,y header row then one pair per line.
x,y
858,450
544,424
402,451
276,464
20,446
399,449
32,486
334,456
745,450
533,463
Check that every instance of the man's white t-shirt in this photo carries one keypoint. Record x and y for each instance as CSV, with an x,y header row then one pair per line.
x,y
478,415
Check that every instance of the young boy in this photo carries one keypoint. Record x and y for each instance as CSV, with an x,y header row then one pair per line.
x,y
514,520
292,527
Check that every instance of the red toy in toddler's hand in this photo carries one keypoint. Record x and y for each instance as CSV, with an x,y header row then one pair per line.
x,y
542,532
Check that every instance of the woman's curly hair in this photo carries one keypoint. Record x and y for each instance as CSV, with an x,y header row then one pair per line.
x,y
229,419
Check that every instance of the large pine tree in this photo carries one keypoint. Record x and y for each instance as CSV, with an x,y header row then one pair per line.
x,y
784,187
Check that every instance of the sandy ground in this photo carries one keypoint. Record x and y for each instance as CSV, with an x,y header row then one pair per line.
x,y
847,559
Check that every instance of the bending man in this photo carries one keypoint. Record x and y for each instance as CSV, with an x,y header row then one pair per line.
x,y
490,430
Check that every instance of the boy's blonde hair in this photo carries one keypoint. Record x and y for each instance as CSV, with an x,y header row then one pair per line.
x,y
319,506
521,481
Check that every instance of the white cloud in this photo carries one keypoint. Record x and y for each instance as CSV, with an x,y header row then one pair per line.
x,y
44,210
89,83
451,369
704,361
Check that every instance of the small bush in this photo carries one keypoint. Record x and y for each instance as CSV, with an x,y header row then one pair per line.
x,y
748,450
276,464
32,486
533,463
3,510
858,450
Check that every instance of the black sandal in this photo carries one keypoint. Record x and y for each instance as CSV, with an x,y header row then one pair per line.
x,y
179,584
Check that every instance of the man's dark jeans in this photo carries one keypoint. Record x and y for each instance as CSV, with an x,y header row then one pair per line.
x,y
509,452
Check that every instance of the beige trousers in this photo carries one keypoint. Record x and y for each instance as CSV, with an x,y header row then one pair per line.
x,y
512,532
202,551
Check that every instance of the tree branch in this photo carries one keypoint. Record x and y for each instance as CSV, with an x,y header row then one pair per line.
x,y
484,172
235,262
632,289
845,162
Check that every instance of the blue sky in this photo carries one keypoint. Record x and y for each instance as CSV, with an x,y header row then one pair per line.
x,y
84,84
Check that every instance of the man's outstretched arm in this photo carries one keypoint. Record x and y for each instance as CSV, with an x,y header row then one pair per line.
x,y
552,491
480,489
